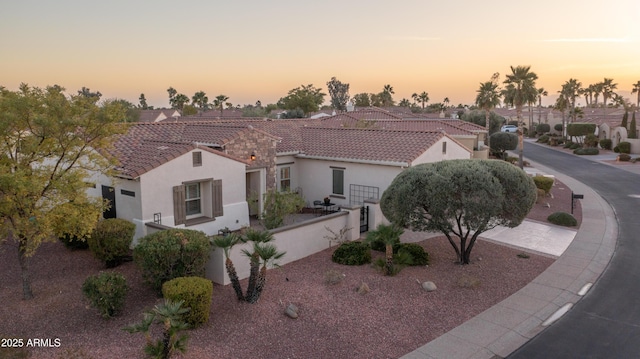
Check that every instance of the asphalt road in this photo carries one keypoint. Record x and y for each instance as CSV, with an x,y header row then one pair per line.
x,y
606,322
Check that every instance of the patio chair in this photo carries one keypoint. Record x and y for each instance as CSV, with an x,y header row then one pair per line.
x,y
317,207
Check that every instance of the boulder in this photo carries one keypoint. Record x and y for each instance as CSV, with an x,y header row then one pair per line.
x,y
291,311
429,286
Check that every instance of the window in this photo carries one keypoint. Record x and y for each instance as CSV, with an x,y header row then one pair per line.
x,y
197,158
197,202
338,181
192,199
444,147
124,192
285,179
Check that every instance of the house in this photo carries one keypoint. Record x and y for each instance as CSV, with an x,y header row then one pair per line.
x,y
158,115
189,175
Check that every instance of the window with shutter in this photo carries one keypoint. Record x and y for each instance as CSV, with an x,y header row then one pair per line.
x,y
217,198
179,205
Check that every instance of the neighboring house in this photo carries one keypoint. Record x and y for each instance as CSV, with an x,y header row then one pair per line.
x,y
158,115
193,175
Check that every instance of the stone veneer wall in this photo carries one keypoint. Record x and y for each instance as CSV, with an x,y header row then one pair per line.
x,y
262,145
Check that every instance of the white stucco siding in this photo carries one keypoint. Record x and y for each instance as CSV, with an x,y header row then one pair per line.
x,y
435,153
157,189
316,178
283,162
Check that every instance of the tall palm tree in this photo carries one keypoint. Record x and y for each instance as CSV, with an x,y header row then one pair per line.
x,y
571,90
414,96
561,105
388,89
201,100
423,98
521,83
607,92
446,102
636,89
219,102
541,92
226,243
488,98
597,90
388,234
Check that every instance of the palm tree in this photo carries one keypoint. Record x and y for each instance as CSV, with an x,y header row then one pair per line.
x,y
201,100
561,105
259,239
446,102
636,89
414,96
219,102
423,98
521,83
488,98
607,92
226,243
388,89
541,92
180,100
571,90
389,235
597,90
269,254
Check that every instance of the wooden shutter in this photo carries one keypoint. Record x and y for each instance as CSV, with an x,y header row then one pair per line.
x,y
217,198
179,205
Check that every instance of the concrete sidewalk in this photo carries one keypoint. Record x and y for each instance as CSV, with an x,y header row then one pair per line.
x,y
583,256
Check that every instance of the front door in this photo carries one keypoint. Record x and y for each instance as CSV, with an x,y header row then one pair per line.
x,y
109,193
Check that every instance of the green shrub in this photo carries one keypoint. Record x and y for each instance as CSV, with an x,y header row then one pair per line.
x,y
616,149
558,127
74,243
352,253
555,141
623,157
196,292
575,146
543,139
624,147
379,246
106,292
111,240
419,257
170,254
568,144
543,183
591,140
605,143
501,142
562,219
589,151
511,159
543,128
578,129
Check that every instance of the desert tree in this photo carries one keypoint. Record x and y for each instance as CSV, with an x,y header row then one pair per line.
x,y
459,198
49,153
307,98
339,94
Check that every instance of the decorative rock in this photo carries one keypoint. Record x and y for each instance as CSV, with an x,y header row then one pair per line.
x,y
364,288
291,311
429,286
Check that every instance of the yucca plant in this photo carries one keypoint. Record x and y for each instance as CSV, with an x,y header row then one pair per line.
x,y
169,315
269,254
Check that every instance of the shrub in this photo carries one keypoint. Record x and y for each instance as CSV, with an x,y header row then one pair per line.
x,y
568,144
511,159
616,149
624,147
379,246
543,128
586,151
332,276
111,240
74,243
543,183
352,253
562,219
196,293
170,254
419,257
575,146
591,140
106,292
605,143
623,157
543,139
578,129
558,127
501,142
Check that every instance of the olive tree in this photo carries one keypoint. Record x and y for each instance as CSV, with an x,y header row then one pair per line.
x,y
501,142
460,198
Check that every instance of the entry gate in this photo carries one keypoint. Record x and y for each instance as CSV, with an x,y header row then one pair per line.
x,y
364,219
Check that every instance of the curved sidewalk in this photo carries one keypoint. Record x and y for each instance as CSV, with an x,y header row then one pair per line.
x,y
503,328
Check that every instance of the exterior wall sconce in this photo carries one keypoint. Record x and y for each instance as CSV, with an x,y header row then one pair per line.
x,y
253,156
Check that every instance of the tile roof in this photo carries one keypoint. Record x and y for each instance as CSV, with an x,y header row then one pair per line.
x,y
148,145
367,144
152,115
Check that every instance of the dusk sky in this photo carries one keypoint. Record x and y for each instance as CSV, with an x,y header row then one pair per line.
x,y
259,50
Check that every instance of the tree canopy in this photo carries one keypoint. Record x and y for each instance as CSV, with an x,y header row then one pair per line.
x,y
339,93
306,97
47,156
461,198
